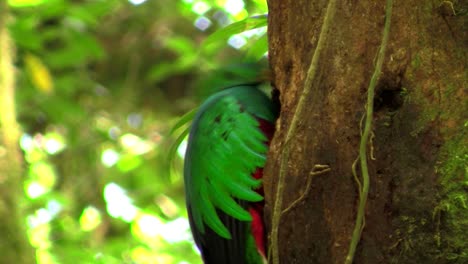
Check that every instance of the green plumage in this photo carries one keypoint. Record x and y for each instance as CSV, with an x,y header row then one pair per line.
x,y
225,147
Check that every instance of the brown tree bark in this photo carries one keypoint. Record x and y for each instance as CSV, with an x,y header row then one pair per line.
x,y
14,244
417,208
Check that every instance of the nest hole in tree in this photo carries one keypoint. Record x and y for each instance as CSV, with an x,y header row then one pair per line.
x,y
388,97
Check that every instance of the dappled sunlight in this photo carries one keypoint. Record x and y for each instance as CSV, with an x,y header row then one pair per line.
x,y
150,226
168,206
237,41
202,23
144,255
54,143
234,6
182,148
137,2
90,218
234,10
97,104
109,157
35,189
45,257
119,205
135,145
39,238
42,175
200,7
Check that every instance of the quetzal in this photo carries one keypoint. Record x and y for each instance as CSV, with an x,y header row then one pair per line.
x,y
223,168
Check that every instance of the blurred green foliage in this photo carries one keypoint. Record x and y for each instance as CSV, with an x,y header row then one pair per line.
x,y
100,84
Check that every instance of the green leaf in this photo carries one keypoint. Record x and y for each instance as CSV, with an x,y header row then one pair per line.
x,y
183,120
164,69
180,45
79,48
235,28
24,33
129,162
258,49
175,146
25,3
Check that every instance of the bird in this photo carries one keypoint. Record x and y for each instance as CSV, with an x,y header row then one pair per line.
x,y
223,168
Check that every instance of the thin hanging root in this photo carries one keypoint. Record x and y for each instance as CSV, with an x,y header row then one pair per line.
x,y
317,170
450,5
360,124
356,178
371,142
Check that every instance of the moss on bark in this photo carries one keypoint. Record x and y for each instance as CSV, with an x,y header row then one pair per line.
x,y
416,209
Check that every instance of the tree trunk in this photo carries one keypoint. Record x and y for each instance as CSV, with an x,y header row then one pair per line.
x,y
417,206
14,244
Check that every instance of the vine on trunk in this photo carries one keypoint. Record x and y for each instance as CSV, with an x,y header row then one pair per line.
x,y
364,186
310,78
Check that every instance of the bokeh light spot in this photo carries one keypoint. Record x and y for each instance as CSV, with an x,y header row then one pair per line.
x,y
109,157
90,218
119,205
202,23
35,189
54,143
134,120
200,7
237,41
234,6
135,145
149,225
182,148
136,2
26,142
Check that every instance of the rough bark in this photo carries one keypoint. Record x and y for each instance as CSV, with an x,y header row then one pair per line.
x,y
417,207
14,244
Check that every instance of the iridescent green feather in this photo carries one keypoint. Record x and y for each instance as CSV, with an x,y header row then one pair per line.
x,y
225,147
